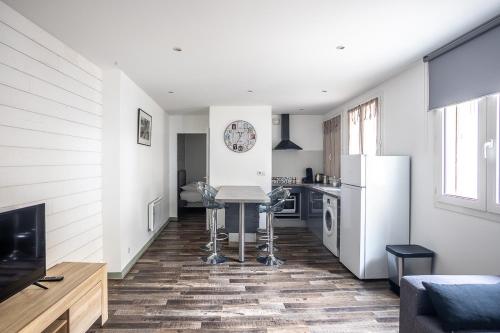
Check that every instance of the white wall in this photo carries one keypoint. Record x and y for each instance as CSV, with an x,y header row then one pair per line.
x,y
180,124
230,168
141,170
464,244
50,136
307,132
111,170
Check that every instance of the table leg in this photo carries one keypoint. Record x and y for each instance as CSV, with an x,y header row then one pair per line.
x,y
242,232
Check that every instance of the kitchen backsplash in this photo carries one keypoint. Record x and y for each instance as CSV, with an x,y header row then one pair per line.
x,y
294,163
284,180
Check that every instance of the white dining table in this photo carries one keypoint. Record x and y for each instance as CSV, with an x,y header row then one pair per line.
x,y
241,195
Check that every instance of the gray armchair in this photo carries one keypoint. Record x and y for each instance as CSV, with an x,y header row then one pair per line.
x,y
417,314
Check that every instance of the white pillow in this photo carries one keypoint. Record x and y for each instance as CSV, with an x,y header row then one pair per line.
x,y
189,187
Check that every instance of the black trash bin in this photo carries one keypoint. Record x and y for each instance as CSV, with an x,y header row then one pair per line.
x,y
405,260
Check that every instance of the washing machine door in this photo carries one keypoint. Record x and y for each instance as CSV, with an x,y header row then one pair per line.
x,y
328,222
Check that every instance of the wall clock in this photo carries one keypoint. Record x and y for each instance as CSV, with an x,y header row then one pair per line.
x,y
240,136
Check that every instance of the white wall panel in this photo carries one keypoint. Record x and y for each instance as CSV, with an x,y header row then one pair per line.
x,y
70,245
67,217
27,28
17,176
25,45
68,202
23,100
15,156
20,80
50,136
30,120
18,195
22,62
71,230
18,137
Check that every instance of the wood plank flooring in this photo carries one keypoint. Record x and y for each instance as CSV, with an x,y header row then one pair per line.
x,y
171,290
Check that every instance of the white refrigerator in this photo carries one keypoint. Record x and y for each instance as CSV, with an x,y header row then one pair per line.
x,y
374,211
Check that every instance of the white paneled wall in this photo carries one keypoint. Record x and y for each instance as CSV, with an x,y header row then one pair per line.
x,y
50,136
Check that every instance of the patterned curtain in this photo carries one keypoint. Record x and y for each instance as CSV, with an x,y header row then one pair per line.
x,y
331,146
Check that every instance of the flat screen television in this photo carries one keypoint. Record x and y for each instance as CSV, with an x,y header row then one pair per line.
x,y
22,248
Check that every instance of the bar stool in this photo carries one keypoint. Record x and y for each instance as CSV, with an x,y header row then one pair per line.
x,y
209,202
274,195
221,232
270,259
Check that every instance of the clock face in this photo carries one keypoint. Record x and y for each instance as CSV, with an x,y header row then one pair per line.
x,y
240,136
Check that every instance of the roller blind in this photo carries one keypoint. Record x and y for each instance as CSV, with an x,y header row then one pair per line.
x,y
467,68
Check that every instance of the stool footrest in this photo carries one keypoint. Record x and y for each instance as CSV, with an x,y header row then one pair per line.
x,y
221,237
265,247
266,238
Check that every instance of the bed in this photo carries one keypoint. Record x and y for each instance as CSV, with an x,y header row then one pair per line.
x,y
189,197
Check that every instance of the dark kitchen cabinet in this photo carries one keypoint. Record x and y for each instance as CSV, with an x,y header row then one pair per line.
x,y
315,213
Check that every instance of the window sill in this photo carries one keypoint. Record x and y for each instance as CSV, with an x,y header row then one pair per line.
x,y
467,211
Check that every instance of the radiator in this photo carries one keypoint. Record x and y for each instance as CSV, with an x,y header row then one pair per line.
x,y
154,213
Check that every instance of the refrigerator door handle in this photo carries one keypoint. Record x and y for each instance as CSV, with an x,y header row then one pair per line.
x,y
350,186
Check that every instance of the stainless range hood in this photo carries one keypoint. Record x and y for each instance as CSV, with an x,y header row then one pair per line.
x,y
285,142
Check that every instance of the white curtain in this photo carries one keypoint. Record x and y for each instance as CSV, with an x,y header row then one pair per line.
x,y
363,128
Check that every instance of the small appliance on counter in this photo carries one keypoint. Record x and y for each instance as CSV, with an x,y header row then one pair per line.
x,y
335,181
308,179
319,178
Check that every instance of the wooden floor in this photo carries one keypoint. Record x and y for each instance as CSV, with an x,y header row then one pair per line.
x,y
171,290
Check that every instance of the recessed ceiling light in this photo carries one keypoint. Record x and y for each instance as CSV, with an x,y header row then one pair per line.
x,y
250,91
177,49
301,109
340,47
170,92
324,91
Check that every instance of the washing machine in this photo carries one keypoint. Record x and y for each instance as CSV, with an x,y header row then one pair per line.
x,y
331,224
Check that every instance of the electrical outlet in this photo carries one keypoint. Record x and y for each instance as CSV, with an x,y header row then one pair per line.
x,y
261,173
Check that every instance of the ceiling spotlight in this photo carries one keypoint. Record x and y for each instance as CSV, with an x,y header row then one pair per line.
x,y
340,47
177,49
301,109
324,91
170,92
250,91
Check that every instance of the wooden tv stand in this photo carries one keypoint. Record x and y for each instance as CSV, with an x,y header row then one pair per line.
x,y
71,305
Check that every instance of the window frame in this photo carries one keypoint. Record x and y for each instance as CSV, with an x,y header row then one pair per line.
x,y
492,155
480,207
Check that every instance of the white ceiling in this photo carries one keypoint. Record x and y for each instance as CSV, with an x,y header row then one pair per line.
x,y
283,50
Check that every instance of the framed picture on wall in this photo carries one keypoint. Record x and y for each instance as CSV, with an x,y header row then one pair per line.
x,y
144,127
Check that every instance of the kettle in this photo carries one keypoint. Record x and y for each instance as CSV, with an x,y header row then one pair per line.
x,y
319,178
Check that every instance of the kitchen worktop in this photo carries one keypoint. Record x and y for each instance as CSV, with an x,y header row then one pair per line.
x,y
323,188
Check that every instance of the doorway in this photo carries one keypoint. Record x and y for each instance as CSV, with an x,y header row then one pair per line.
x,y
191,168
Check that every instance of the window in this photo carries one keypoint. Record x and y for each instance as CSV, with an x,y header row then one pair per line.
x,y
468,174
363,129
460,150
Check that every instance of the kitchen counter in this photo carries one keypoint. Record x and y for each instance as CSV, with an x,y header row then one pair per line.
x,y
319,187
